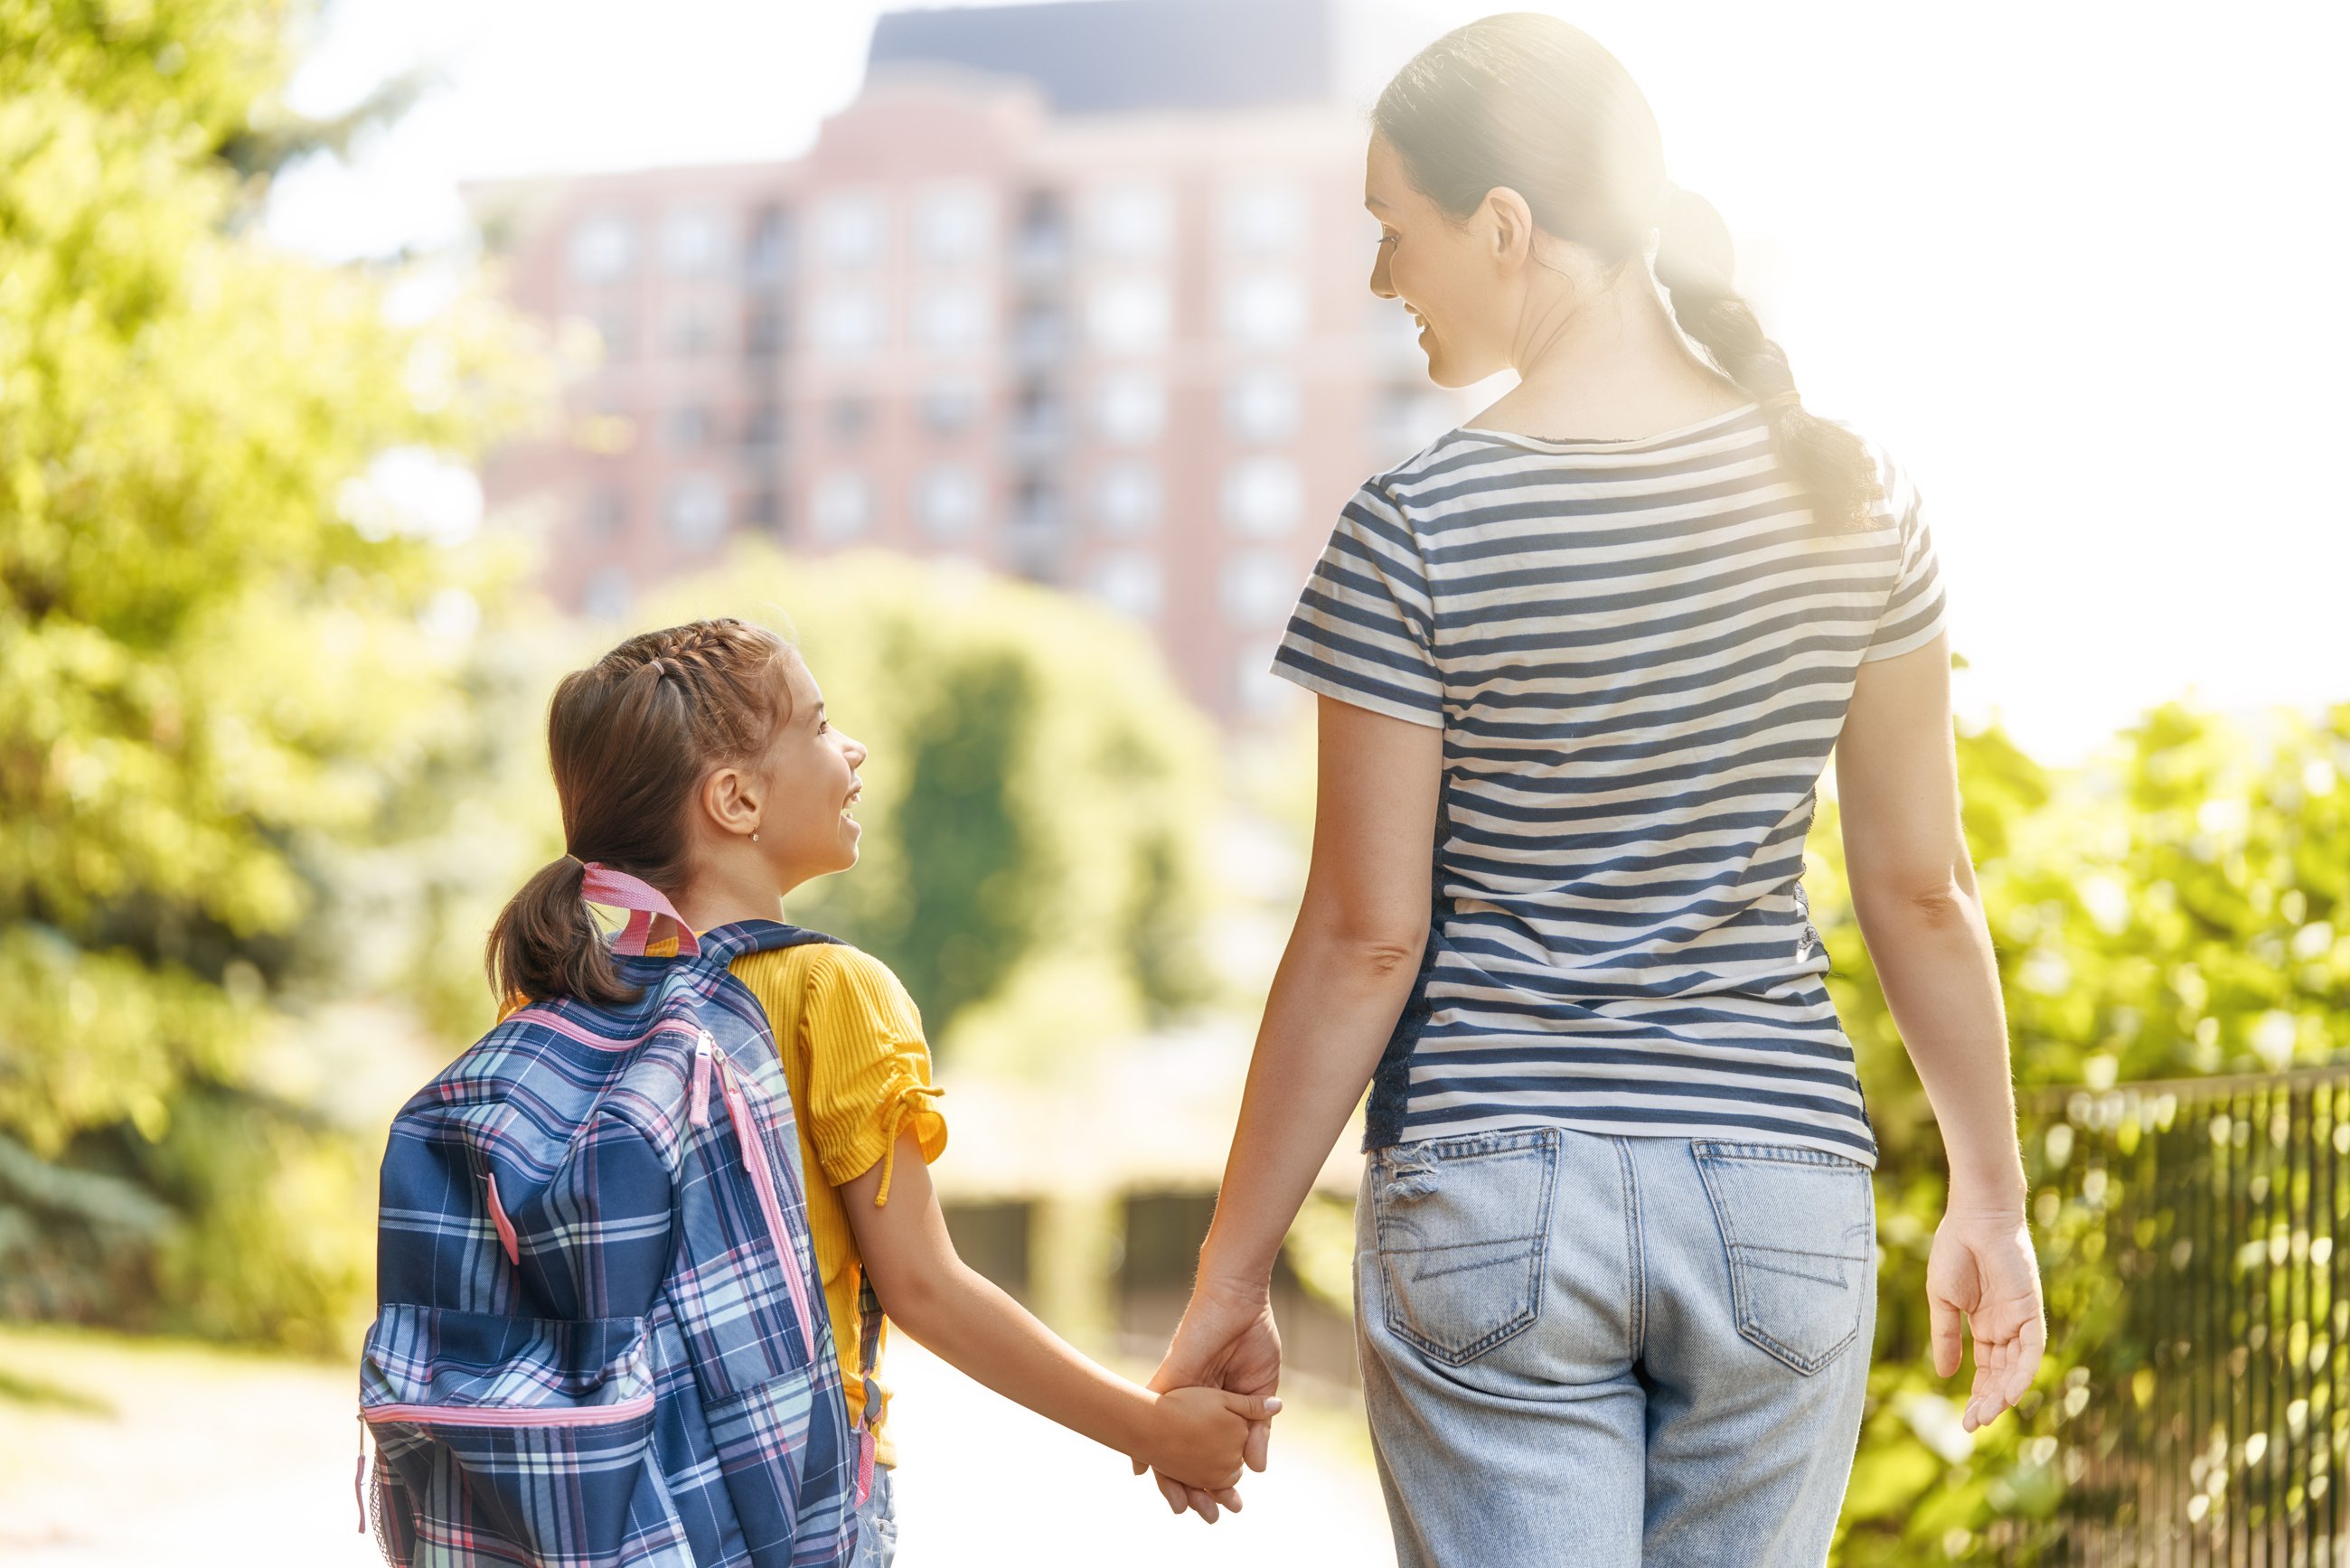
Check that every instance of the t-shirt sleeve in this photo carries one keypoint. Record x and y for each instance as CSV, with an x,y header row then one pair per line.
x,y
868,1070
1914,610
1365,629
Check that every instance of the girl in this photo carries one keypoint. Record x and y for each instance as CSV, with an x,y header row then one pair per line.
x,y
701,760
1615,1243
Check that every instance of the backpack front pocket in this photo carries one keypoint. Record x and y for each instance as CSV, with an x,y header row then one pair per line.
x,y
519,1440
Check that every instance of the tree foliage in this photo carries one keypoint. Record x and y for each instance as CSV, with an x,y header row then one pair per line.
x,y
213,660
2179,908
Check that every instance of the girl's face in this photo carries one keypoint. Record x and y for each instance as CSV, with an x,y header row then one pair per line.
x,y
1448,273
808,827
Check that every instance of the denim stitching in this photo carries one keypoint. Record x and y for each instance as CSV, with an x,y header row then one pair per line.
x,y
1634,1259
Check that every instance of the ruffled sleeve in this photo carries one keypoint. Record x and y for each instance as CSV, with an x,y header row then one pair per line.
x,y
868,1070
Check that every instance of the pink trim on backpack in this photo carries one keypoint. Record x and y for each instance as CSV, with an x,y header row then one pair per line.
x,y
763,1177
512,1414
600,884
505,1230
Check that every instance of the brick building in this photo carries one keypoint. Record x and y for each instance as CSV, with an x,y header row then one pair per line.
x,y
1074,291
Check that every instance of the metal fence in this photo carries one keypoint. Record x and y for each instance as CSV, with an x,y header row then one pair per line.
x,y
2197,1295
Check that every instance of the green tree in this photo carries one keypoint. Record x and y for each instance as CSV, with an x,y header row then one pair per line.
x,y
2177,908
217,664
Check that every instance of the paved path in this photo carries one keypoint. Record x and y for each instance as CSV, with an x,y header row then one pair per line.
x,y
127,1454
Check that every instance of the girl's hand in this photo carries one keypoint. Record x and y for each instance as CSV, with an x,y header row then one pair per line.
x,y
1195,1435
1227,1339
1982,1267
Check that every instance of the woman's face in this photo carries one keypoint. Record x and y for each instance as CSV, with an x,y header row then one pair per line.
x,y
1446,271
810,776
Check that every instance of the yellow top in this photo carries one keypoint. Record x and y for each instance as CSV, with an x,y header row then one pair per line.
x,y
859,1074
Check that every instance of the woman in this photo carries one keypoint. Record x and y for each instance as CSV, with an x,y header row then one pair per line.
x,y
1616,1241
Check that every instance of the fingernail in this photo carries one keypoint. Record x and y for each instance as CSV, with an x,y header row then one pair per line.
x,y
1272,1407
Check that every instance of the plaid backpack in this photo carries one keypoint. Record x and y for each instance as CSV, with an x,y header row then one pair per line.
x,y
601,1340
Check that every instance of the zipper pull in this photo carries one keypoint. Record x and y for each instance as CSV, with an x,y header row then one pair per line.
x,y
704,1046
359,1476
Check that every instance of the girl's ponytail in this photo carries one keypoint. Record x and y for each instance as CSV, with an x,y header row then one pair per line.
x,y
630,740
1526,101
545,944
1694,261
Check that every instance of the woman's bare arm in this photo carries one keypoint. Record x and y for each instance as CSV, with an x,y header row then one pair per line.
x,y
1913,889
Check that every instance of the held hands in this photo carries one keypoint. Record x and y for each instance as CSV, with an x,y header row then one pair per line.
x,y
1982,1268
1196,1434
1227,1339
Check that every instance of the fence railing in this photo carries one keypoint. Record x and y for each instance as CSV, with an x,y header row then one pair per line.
x,y
2205,1416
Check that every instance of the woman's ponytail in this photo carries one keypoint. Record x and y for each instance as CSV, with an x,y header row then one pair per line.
x,y
1526,101
546,944
1694,261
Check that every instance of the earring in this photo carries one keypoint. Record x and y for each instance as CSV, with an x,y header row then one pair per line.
x,y
755,836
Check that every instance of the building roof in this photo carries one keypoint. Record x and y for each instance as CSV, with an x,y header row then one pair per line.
x,y
1111,57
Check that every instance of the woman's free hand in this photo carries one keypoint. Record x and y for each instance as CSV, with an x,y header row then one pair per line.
x,y
1982,1269
1227,1339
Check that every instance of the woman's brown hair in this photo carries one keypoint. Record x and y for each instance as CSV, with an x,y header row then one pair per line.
x,y
1527,102
629,739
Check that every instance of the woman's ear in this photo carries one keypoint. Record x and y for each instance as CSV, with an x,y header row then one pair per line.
x,y
1513,225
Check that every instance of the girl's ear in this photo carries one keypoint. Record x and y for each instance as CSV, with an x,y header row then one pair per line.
x,y
730,798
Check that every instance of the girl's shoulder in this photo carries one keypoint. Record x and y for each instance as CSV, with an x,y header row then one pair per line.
x,y
832,987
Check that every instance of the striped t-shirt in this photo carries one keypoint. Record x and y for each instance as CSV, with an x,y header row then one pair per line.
x,y
1640,653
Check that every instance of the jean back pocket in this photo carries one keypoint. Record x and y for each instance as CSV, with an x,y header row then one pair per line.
x,y
1799,1229
1462,1227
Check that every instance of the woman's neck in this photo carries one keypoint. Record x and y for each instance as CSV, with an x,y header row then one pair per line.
x,y
1605,363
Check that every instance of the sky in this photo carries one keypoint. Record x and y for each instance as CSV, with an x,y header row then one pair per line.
x,y
2076,264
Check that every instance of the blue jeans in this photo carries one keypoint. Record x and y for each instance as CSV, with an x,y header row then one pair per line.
x,y
877,1523
1612,1351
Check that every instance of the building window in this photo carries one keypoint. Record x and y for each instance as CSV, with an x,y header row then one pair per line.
x,y
1265,309
1041,331
762,330
951,317
953,223
1039,418
1259,588
949,500
689,242
1038,507
852,229
1264,218
1132,583
606,513
948,406
689,331
763,425
1133,222
842,507
1127,499
850,418
1263,496
768,250
602,249
1261,406
1128,315
1041,247
696,512
687,429
616,334
761,509
847,321
1130,409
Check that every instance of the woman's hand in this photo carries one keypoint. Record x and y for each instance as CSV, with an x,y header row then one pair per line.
x,y
1982,1267
1227,1339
